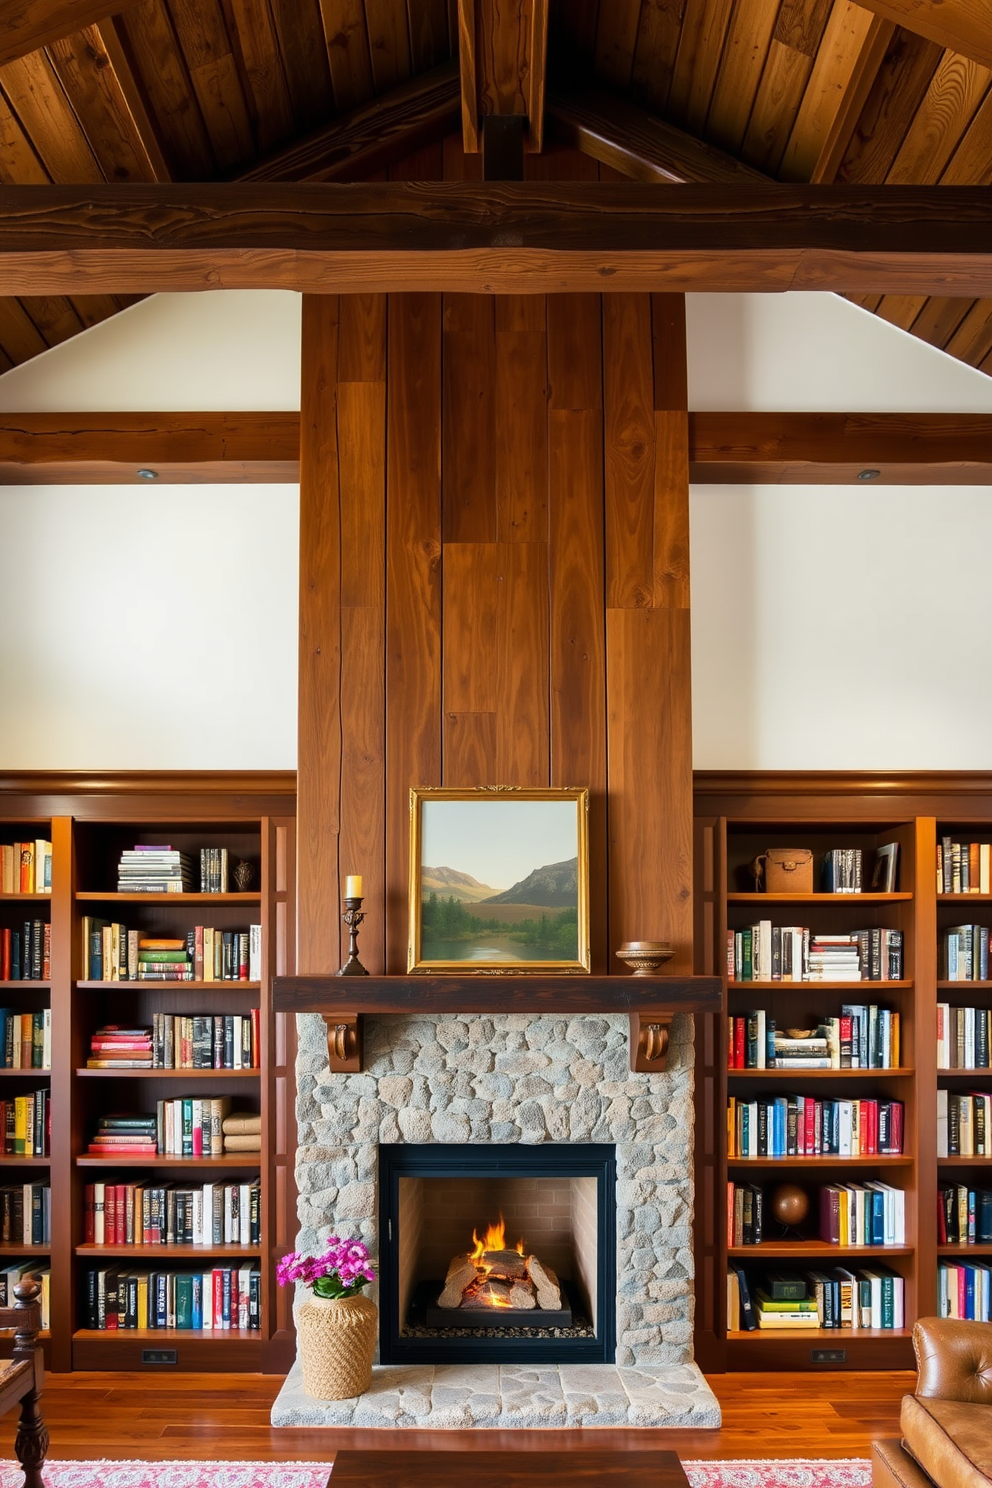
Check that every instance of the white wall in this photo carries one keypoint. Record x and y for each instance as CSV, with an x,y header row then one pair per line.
x,y
833,627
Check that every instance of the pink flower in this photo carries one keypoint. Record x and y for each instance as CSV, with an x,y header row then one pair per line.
x,y
341,1271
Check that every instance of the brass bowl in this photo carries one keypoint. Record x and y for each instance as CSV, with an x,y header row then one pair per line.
x,y
646,957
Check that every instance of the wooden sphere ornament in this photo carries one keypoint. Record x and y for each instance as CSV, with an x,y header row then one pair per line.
x,y
789,1205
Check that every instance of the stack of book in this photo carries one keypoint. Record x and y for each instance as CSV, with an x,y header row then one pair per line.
x,y
172,1214
213,870
964,1215
226,1297
11,1276
121,1134
964,1124
834,958
792,953
26,1125
154,869
26,867
963,867
964,1290
803,1051
206,1041
242,1132
966,953
26,1039
964,1037
161,959
113,1047
867,1297
773,1310
869,1213
192,1126
803,1126
841,870
26,1214
26,954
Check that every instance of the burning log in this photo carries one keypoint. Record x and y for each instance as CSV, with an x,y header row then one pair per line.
x,y
522,1295
489,1293
461,1274
504,1263
545,1284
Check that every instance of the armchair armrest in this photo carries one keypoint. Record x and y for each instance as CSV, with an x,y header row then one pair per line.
x,y
954,1360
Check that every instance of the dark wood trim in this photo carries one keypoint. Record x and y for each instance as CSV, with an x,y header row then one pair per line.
x,y
892,783
960,25
182,448
496,237
372,137
496,994
831,448
26,25
145,782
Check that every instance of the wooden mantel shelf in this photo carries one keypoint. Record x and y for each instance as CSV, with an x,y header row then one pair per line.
x,y
650,1002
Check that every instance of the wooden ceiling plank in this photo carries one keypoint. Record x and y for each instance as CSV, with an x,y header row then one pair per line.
x,y
27,25
19,165
955,93
971,163
389,43
5,362
36,96
495,238
92,309
574,23
900,310
347,42
54,316
213,72
92,87
368,139
960,25
617,29
801,24
836,60
19,336
253,34
468,70
655,50
897,93
780,93
939,319
854,96
160,72
300,28
704,31
94,448
741,66
629,139
112,41
972,341
429,44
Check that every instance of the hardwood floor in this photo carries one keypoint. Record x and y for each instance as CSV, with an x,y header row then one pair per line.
x,y
227,1416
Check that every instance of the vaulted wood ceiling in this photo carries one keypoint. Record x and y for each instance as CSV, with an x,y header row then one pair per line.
x,y
201,90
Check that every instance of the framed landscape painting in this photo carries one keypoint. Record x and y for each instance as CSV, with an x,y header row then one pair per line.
x,y
499,880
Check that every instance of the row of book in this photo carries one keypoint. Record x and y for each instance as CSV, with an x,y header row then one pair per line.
x,y
870,1213
866,1297
26,867
964,1037
159,868
963,867
804,1126
966,953
26,1039
793,953
26,954
11,1276
113,953
26,1125
964,1290
26,1214
226,1297
863,1037
188,1126
964,1215
177,1041
964,1124
171,1214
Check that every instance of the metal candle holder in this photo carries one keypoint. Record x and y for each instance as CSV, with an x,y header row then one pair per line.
x,y
353,917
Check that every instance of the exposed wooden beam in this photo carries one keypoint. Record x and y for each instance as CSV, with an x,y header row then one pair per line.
x,y
911,449
963,26
531,237
724,448
587,116
26,25
86,449
502,50
357,144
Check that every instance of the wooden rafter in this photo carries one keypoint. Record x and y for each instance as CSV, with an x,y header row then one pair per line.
x,y
724,448
502,49
26,25
962,26
533,237
853,98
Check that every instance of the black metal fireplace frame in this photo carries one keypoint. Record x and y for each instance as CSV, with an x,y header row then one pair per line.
x,y
545,1160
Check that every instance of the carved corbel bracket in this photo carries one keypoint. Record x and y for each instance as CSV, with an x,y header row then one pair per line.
x,y
344,1042
649,1041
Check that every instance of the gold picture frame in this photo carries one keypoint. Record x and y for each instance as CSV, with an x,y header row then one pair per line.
x,y
536,921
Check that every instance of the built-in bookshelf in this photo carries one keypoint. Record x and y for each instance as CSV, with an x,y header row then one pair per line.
x,y
141,1032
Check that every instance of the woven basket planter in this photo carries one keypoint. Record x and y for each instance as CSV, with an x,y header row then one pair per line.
x,y
336,1340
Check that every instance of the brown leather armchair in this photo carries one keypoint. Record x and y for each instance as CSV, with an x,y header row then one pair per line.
x,y
947,1424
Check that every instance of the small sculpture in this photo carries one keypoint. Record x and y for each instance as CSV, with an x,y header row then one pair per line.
x,y
646,957
789,1204
244,876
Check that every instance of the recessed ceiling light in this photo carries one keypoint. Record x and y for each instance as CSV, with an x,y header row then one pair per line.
x,y
148,474
865,474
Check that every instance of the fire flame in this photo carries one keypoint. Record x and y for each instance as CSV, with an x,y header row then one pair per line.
x,y
494,1239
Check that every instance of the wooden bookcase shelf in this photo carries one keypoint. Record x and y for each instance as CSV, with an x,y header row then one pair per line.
x,y
832,899
89,823
798,1076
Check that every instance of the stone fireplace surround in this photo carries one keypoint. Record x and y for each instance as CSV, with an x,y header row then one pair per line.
x,y
523,1078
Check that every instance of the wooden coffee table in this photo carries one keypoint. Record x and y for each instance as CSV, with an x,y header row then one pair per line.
x,y
597,1469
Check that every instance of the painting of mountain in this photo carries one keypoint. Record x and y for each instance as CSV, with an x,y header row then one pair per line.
x,y
450,883
555,886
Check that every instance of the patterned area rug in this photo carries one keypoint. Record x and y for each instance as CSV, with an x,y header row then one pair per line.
x,y
755,1473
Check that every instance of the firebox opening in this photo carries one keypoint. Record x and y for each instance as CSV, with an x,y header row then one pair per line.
x,y
496,1252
